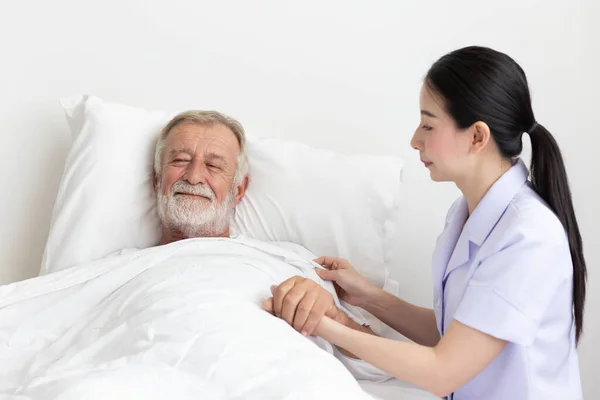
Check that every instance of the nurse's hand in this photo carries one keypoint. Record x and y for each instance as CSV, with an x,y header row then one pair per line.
x,y
350,286
302,303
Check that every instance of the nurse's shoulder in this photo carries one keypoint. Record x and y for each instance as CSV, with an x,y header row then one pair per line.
x,y
530,212
532,225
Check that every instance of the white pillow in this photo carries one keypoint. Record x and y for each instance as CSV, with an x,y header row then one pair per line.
x,y
332,204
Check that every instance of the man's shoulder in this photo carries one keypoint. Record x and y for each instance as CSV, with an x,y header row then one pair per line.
x,y
296,248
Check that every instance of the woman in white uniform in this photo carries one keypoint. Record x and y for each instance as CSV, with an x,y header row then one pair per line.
x,y
509,274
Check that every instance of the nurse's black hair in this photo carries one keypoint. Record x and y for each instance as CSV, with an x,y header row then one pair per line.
x,y
481,84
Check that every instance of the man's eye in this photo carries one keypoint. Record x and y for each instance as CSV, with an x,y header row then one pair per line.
x,y
213,166
426,128
180,160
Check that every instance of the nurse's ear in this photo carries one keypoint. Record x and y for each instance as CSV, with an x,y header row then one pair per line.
x,y
480,136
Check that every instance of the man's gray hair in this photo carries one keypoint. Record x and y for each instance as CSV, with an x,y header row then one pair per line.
x,y
206,118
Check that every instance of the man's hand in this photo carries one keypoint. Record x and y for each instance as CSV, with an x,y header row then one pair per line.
x,y
302,303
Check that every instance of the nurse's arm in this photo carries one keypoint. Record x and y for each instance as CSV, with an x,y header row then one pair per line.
x,y
414,322
460,355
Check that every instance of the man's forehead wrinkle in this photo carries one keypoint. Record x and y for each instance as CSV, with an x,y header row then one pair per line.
x,y
177,150
221,142
210,140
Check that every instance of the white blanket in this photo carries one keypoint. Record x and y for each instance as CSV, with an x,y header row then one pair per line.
x,y
182,321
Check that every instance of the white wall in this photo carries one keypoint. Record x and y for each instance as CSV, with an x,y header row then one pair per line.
x,y
338,74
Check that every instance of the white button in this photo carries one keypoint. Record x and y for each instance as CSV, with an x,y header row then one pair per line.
x,y
437,301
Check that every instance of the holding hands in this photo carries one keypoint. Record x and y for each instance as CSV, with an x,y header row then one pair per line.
x,y
302,303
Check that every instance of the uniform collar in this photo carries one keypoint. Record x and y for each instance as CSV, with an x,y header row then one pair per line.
x,y
456,243
493,204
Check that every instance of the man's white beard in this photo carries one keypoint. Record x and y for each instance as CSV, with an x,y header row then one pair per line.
x,y
193,216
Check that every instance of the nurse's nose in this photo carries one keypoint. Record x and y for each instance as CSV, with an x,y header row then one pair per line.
x,y
416,142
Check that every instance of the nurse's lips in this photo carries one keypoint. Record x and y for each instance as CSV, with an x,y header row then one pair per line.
x,y
427,163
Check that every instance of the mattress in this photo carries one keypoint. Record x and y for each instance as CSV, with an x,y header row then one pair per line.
x,y
394,389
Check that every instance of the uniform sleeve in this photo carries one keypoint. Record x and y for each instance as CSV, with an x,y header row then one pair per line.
x,y
511,289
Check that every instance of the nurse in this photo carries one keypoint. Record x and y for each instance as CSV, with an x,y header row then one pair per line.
x,y
508,269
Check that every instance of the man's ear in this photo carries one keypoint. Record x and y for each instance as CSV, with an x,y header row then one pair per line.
x,y
154,180
240,190
480,136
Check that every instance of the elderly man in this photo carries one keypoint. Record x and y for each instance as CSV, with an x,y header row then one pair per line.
x,y
201,174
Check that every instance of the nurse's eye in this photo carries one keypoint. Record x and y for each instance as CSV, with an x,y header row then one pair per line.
x,y
426,128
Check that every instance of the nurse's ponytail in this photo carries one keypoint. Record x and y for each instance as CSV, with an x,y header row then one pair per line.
x,y
481,84
549,178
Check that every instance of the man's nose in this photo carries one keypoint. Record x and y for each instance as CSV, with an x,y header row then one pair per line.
x,y
195,173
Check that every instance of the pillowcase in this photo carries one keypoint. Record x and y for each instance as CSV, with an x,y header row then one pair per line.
x,y
332,204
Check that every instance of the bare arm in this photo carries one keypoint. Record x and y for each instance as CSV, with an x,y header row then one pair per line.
x,y
343,319
416,323
457,358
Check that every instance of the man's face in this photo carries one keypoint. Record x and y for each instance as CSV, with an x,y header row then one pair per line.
x,y
195,188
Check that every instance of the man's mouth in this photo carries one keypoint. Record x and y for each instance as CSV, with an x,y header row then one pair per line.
x,y
192,195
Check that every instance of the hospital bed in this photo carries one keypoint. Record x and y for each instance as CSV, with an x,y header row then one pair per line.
x,y
112,315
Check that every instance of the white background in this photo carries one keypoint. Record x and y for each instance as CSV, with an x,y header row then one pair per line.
x,y
336,74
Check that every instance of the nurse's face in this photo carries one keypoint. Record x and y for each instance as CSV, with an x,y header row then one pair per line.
x,y
443,148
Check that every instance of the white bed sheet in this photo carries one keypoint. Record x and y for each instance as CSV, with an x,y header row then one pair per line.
x,y
166,322
181,321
